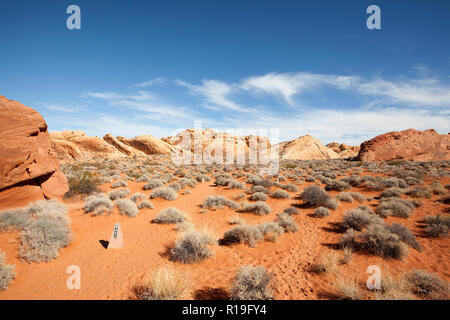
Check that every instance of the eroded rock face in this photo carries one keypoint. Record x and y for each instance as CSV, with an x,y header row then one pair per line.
x,y
343,150
411,145
29,168
147,144
76,145
210,142
305,148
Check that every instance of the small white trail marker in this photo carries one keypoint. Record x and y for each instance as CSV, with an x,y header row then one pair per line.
x,y
116,241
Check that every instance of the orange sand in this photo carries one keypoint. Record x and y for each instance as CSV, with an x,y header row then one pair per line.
x,y
111,274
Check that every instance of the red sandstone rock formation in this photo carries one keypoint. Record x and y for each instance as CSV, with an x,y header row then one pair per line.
x,y
29,168
412,145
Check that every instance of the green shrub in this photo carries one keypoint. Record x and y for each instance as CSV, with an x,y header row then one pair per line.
x,y
82,183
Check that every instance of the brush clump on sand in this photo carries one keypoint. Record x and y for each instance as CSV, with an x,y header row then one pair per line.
x,y
98,203
127,207
170,215
192,246
166,193
219,202
251,283
165,284
259,207
7,273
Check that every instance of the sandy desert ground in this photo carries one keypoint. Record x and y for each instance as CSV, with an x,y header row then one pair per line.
x,y
292,259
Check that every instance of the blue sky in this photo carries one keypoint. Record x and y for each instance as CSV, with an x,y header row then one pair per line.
x,y
303,67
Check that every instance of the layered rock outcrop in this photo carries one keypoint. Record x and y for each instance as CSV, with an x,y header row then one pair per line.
x,y
305,148
343,150
411,145
29,168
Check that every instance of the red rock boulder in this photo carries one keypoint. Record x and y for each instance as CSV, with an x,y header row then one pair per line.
x,y
29,169
411,145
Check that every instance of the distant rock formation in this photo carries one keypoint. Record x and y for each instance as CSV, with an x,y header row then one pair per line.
x,y
76,145
305,148
147,144
412,145
343,150
210,142
29,168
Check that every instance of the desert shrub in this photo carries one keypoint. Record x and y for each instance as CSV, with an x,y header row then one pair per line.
x,y
82,183
13,220
42,238
143,178
358,219
436,230
7,273
427,285
246,234
394,207
236,220
251,283
264,183
346,288
287,222
338,185
419,192
344,196
258,196
119,183
271,230
145,204
348,254
98,203
138,196
184,226
165,193
357,196
153,184
233,184
218,202
119,193
186,182
127,207
259,189
321,212
438,219
331,204
49,209
191,247
392,192
289,187
239,196
314,196
379,241
291,211
259,207
353,180
327,263
348,239
366,208
280,194
405,235
438,188
165,284
222,181
170,215
175,186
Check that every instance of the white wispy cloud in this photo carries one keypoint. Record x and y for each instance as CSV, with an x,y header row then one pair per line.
x,y
215,92
150,83
286,85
